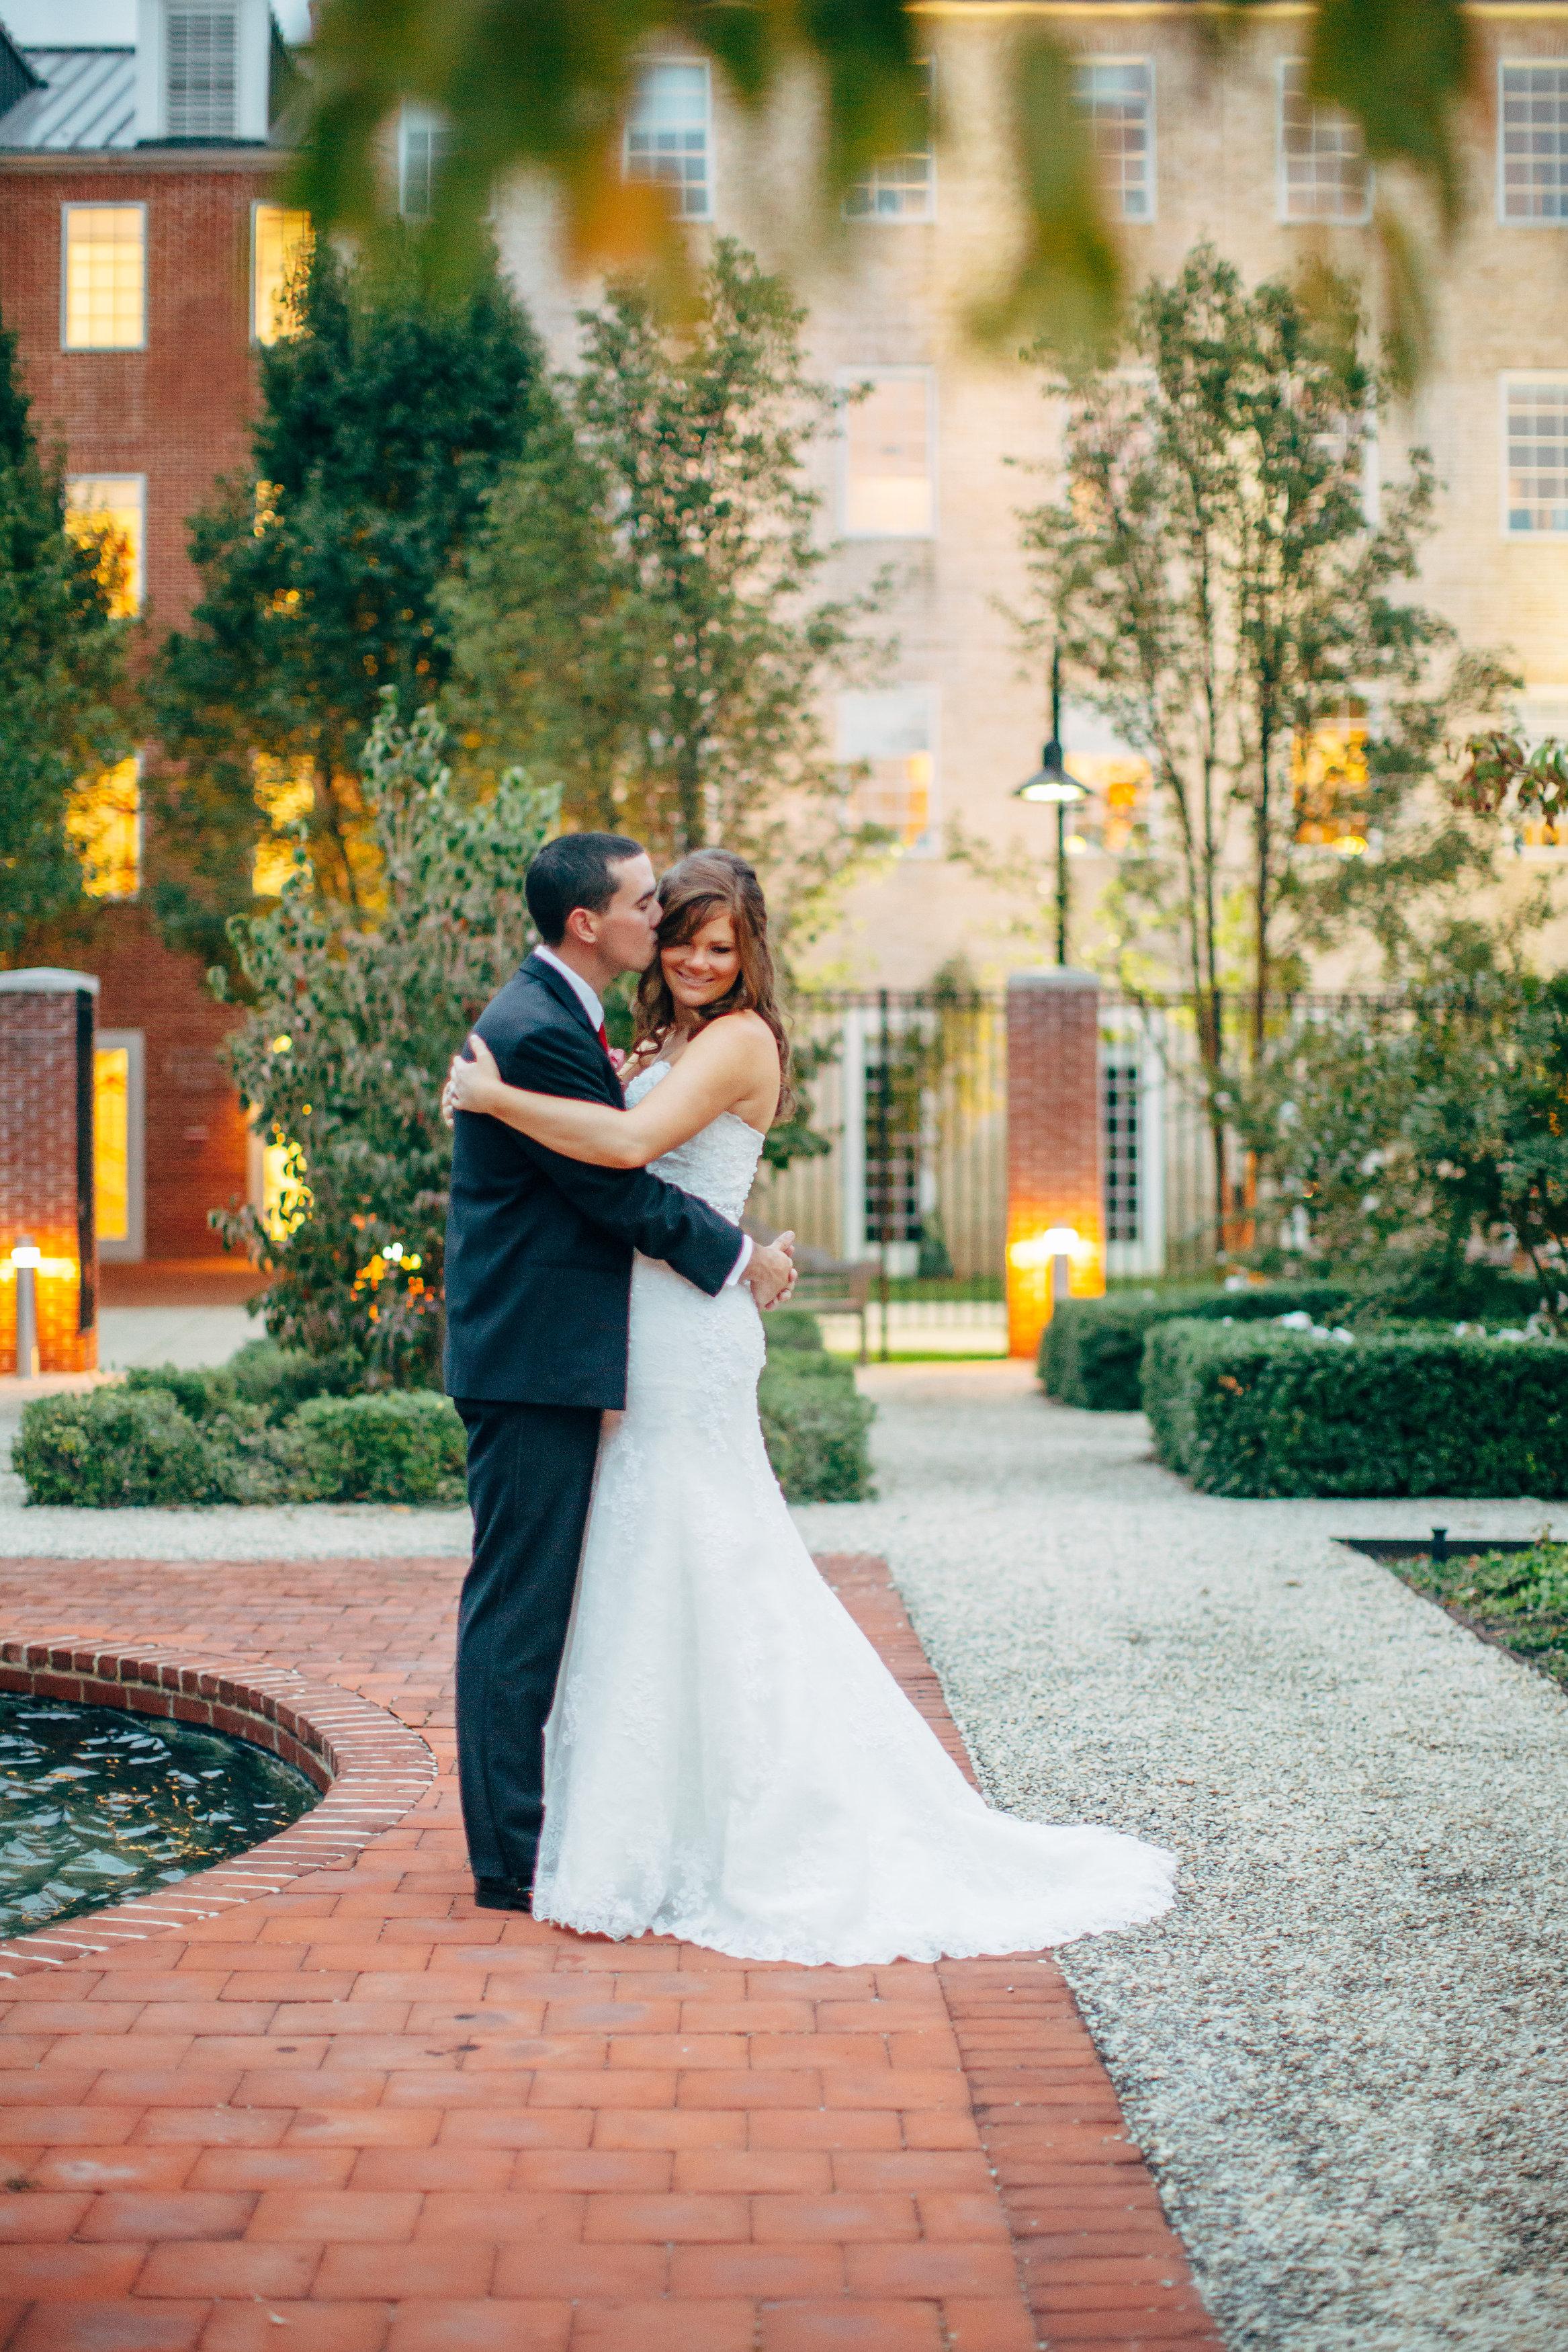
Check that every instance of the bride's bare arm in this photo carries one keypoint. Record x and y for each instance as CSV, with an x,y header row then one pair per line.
x,y
725,1064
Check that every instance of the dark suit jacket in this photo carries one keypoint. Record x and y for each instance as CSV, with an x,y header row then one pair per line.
x,y
539,1247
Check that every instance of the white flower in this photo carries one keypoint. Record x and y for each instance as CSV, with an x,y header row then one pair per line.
x,y
1371,1163
1300,1321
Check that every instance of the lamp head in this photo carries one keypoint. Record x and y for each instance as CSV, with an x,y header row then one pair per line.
x,y
1050,780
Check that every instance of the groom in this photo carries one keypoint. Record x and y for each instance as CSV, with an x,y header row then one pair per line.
x,y
538,1280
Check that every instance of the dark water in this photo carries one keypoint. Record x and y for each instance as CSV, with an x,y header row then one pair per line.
x,y
97,1805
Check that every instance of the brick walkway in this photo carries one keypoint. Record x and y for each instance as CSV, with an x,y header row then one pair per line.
x,y
353,2111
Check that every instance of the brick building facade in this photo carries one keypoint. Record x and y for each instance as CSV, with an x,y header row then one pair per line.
x,y
128,272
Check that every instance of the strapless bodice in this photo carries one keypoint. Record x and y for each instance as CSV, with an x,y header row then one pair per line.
x,y
717,1165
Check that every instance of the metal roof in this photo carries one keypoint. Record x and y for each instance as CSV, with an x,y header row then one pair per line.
x,y
88,102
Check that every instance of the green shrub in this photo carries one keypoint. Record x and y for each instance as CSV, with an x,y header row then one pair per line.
x,y
814,1426
262,1377
1252,1410
792,1326
115,1447
404,1445
1519,1597
1092,1351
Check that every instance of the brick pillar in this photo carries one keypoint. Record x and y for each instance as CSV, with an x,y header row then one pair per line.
x,y
47,1024
1054,1143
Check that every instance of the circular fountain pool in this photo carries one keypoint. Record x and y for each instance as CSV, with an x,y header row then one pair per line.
x,y
98,1804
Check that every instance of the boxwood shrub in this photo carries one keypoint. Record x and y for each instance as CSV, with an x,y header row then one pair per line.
x,y
1252,1410
1092,1351
273,1426
400,1445
814,1426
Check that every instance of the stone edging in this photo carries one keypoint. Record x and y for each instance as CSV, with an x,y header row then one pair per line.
x,y
370,1767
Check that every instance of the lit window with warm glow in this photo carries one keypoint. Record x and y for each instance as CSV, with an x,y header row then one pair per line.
x,y
279,257
886,742
1328,778
888,485
109,511
104,278
285,794
104,822
112,1141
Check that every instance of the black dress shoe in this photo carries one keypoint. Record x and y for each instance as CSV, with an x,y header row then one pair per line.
x,y
502,1894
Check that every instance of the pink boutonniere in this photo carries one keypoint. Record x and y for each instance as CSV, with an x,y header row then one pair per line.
x,y
617,1057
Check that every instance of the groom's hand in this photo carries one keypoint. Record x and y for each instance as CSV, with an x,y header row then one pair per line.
x,y
770,1276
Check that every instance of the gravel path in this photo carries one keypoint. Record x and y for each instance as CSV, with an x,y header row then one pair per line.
x,y
1345,2050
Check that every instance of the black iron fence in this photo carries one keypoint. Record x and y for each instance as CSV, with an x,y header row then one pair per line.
x,y
908,1099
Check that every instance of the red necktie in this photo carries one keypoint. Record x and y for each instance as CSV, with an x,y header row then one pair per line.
x,y
603,1037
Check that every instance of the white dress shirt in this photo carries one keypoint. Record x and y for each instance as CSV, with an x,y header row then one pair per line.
x,y
595,1011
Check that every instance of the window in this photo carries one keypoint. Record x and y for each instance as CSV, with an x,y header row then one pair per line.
x,y
280,253
104,822
888,735
668,136
1532,144
286,795
423,143
1535,459
109,511
1124,1207
1328,782
899,188
118,1137
888,488
1323,172
104,278
202,58
1117,98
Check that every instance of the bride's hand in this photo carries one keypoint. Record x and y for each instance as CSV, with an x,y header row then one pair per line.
x,y
471,1081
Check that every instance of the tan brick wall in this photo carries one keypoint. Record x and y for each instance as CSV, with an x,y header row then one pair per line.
x,y
1055,1141
39,1194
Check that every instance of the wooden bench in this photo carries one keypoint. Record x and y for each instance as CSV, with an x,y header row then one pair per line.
x,y
836,1289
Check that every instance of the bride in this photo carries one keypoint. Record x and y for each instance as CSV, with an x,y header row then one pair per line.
x,y
727,1761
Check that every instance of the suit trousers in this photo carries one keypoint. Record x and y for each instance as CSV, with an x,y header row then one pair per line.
x,y
530,1483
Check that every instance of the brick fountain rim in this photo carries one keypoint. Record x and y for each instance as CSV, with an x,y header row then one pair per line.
x,y
370,1768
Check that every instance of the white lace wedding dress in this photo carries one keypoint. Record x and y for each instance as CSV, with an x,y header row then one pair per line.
x,y
728,1759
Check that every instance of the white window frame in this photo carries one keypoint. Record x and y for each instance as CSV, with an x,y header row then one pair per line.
x,y
1523,220
115,204
1136,220
710,159
849,379
1510,379
435,125
139,561
1282,212
922,219
134,1248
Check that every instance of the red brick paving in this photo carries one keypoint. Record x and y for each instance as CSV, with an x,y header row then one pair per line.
x,y
352,2112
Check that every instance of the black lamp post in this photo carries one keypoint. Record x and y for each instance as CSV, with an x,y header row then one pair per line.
x,y
1051,782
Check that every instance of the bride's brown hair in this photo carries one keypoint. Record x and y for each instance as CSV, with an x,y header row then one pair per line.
x,y
706,883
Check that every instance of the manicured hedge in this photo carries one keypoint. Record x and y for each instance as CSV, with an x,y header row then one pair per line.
x,y
273,1427
814,1426
404,1446
1092,1351
1252,1410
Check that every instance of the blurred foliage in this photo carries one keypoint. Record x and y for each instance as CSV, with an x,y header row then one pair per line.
x,y
343,1054
544,89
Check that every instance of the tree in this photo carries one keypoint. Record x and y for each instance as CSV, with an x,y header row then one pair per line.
x,y
385,418
543,90
635,617
1216,587
62,673
344,1053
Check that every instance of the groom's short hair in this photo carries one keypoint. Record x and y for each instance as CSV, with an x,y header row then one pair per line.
x,y
577,870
